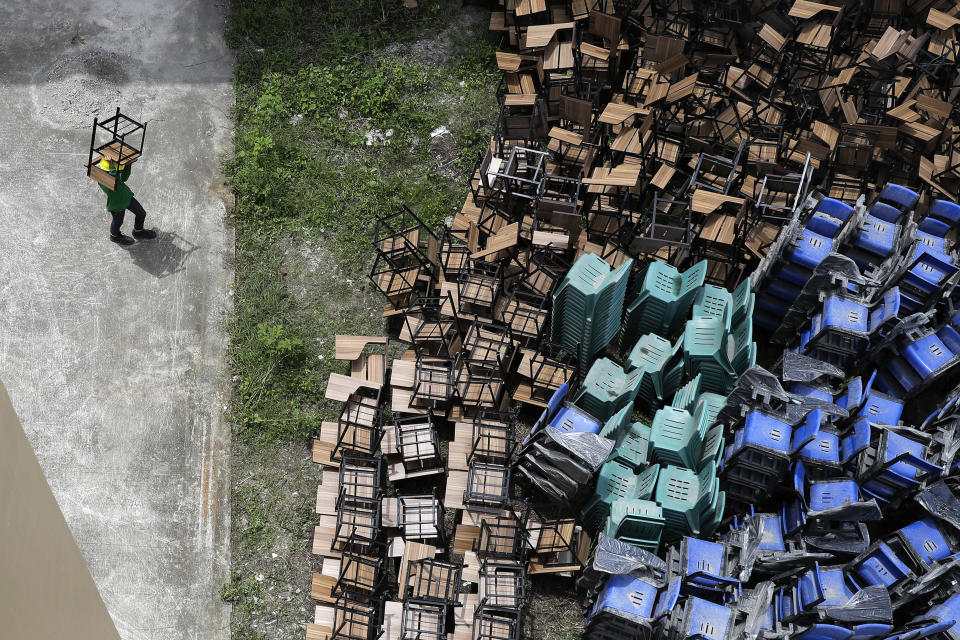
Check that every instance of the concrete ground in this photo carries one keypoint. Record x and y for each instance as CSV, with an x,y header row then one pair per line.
x,y
115,357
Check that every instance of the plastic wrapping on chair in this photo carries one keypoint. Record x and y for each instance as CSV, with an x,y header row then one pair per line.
x,y
797,367
754,382
833,269
589,447
940,502
830,541
753,607
871,604
615,557
863,511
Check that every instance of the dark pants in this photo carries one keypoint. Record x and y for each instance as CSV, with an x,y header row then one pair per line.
x,y
138,216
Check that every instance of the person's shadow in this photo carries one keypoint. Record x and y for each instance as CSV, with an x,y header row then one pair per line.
x,y
163,256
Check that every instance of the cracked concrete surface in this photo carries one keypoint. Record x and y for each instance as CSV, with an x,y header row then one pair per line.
x,y
115,357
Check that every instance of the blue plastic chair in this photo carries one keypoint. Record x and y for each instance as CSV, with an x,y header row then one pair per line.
x,y
809,250
823,631
929,356
885,212
877,237
881,408
667,601
945,210
624,594
924,540
835,209
704,620
881,567
901,196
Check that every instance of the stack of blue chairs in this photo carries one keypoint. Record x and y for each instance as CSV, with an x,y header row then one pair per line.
x,y
800,256
838,333
918,357
879,234
623,610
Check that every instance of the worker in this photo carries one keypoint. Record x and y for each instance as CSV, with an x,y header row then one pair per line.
x,y
121,199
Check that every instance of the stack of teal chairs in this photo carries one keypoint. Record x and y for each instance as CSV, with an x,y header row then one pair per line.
x,y
713,302
692,502
711,449
617,424
707,350
744,348
661,364
607,388
743,302
615,481
675,437
686,396
633,447
713,403
660,300
588,305
638,522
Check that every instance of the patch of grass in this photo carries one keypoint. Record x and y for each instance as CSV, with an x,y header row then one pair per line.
x,y
337,107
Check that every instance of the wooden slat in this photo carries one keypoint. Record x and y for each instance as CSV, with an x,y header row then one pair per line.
x,y
770,35
941,20
805,10
341,387
704,201
507,237
350,347
540,35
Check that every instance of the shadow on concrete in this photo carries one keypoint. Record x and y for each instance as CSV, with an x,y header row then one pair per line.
x,y
164,256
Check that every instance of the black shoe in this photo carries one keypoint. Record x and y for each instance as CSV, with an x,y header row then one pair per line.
x,y
144,234
121,239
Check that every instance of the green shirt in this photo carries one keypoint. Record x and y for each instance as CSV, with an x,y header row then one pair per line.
x,y
119,199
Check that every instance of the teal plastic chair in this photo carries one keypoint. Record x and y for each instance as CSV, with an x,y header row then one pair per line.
x,y
744,348
711,448
673,376
743,302
633,447
686,396
661,300
678,494
614,482
674,438
647,482
617,424
607,388
713,302
712,404
651,355
638,522
707,350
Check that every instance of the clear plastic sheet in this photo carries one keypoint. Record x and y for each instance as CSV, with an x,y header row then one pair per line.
x,y
615,557
862,511
797,367
588,447
753,607
802,405
755,384
870,604
840,542
941,502
834,273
